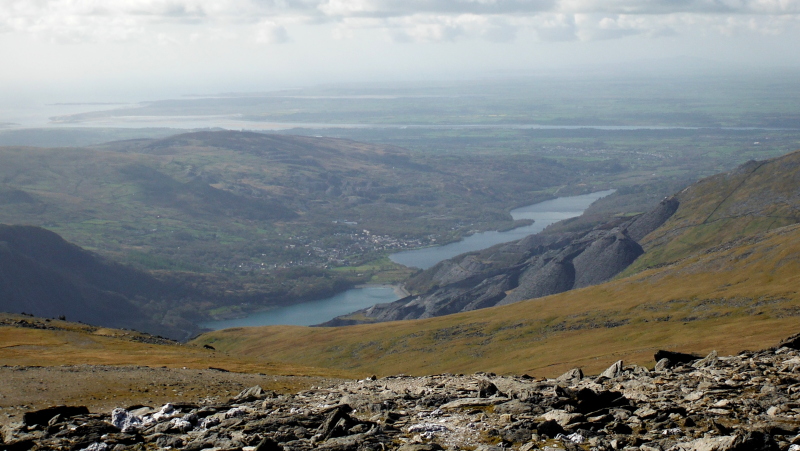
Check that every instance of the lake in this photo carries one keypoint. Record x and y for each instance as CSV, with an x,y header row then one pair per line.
x,y
543,213
315,312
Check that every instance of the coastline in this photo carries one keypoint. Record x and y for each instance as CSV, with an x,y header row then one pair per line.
x,y
399,290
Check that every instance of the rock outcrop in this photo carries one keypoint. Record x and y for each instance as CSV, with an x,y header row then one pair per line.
x,y
749,401
536,266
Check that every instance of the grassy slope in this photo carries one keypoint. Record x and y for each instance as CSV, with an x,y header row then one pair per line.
x,y
106,368
756,197
78,344
742,297
731,284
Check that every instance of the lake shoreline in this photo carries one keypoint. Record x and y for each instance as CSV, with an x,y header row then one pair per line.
x,y
362,296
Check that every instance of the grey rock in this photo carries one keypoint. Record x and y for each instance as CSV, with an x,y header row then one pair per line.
x,y
645,224
662,365
420,447
735,403
708,361
563,418
675,357
606,257
514,407
97,446
612,372
473,402
255,392
487,388
43,416
169,441
724,443
570,377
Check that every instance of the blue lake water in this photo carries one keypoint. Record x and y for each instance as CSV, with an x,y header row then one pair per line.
x,y
543,213
315,312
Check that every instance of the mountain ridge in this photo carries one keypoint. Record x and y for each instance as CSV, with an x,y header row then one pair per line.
x,y
536,266
712,291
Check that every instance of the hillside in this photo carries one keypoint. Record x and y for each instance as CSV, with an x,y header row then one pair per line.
x,y
259,220
756,197
48,362
738,296
736,289
536,266
44,275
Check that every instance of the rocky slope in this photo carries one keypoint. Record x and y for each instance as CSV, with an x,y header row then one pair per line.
x,y
747,401
536,266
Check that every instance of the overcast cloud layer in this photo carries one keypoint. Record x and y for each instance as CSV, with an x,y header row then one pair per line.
x,y
269,21
112,39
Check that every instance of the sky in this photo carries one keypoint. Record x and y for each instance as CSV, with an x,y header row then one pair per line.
x,y
126,50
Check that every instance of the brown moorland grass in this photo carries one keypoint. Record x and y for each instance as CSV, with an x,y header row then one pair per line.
x,y
741,295
103,368
78,344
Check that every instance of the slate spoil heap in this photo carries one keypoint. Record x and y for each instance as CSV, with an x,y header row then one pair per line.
x,y
750,401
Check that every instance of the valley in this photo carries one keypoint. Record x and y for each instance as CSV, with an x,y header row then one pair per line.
x,y
719,291
709,270
254,221
381,225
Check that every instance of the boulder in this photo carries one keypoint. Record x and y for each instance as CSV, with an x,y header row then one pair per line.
x,y
612,372
42,417
571,377
675,357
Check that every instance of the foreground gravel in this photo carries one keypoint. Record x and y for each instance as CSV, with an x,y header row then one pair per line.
x,y
101,388
748,401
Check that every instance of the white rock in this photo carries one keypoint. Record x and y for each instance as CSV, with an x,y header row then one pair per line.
x,y
235,412
209,422
180,424
428,427
575,438
124,420
167,411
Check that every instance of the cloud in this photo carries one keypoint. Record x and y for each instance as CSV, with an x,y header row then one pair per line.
x,y
404,20
557,27
660,7
398,8
439,28
270,32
